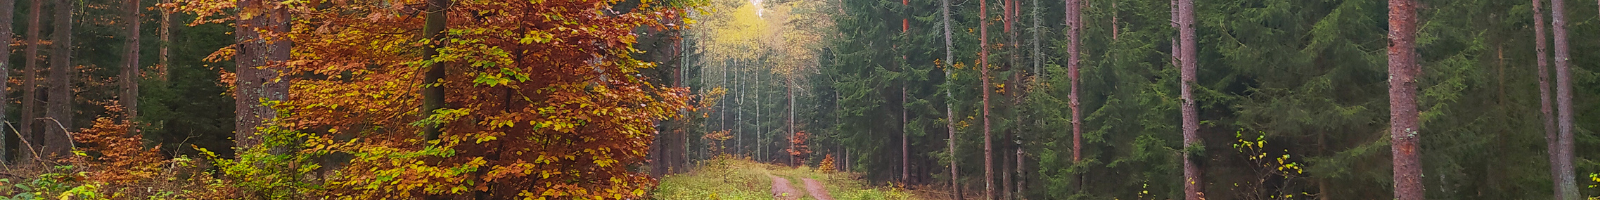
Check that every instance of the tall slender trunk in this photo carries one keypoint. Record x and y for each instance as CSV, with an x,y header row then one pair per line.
x,y
1403,72
760,146
1194,182
1016,93
1566,179
30,87
949,106
433,80
905,147
166,43
983,70
1074,25
790,89
1550,130
7,8
257,72
59,109
738,123
130,59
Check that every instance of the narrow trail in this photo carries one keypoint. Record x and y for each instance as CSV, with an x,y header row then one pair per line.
x,y
816,190
781,189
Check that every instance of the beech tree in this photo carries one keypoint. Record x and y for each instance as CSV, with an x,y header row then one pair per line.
x,y
261,52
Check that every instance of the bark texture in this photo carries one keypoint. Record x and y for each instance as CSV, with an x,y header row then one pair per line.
x,y
7,8
1194,182
30,88
1403,72
1566,180
433,93
59,111
257,76
949,108
130,58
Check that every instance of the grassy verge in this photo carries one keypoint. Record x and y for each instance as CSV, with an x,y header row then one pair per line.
x,y
733,178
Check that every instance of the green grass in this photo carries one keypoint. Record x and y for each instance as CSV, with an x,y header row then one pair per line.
x,y
732,178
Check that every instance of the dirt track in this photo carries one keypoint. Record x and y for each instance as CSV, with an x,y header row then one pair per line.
x,y
782,190
816,190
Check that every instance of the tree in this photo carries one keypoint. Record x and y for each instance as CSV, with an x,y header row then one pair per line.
x,y
1074,27
1551,133
1566,180
59,111
260,54
30,89
1403,72
1193,180
7,7
433,87
130,58
983,76
949,108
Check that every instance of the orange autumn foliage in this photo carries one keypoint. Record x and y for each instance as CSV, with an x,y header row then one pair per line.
x,y
543,98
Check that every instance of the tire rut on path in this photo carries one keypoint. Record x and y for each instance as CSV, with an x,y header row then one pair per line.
x,y
816,190
781,189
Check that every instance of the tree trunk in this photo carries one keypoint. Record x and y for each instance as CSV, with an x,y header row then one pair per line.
x,y
130,67
905,147
7,7
983,70
738,123
1403,72
433,80
949,107
30,88
1074,25
257,70
1566,187
1551,132
56,140
1194,182
166,43
1016,94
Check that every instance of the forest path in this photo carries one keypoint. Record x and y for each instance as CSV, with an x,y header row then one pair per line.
x,y
815,188
781,189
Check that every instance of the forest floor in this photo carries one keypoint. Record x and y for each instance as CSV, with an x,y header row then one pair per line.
x,y
734,178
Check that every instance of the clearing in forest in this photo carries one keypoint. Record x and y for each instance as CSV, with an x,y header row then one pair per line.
x,y
733,178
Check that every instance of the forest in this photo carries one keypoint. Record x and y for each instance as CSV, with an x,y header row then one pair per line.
x,y
877,99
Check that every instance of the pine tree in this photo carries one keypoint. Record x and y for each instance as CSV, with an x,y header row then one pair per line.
x,y
1403,71
1194,181
30,88
983,76
1566,187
